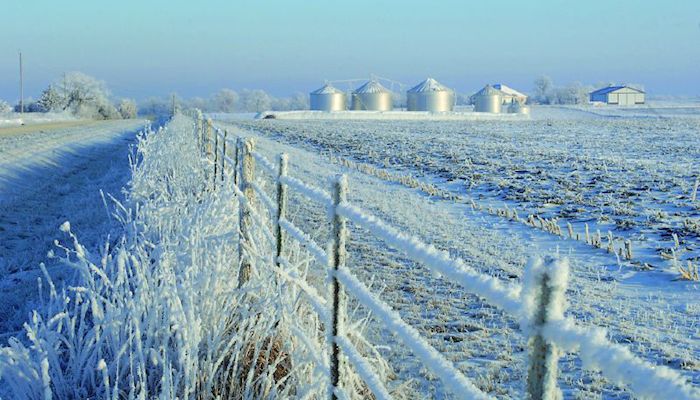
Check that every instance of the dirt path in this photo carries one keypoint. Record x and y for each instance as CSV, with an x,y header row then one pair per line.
x,y
41,189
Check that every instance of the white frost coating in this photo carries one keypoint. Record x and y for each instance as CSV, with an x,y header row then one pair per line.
x,y
46,379
229,160
265,163
617,363
451,377
363,369
491,289
317,301
254,213
557,270
306,241
316,194
266,200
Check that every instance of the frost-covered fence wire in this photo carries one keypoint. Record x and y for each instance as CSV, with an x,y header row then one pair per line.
x,y
539,305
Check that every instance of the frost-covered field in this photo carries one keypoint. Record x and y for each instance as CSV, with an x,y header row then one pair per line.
x,y
644,310
637,178
156,311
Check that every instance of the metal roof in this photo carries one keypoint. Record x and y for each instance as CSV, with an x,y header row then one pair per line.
x,y
429,85
508,90
372,87
611,89
327,89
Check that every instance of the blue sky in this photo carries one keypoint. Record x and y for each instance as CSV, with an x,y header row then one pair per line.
x,y
144,48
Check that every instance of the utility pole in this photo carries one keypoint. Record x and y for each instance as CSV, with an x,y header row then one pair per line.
x,y
21,85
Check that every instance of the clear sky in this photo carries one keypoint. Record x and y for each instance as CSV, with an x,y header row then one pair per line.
x,y
154,47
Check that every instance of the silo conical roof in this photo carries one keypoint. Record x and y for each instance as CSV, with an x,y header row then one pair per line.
x,y
489,90
429,85
327,89
371,87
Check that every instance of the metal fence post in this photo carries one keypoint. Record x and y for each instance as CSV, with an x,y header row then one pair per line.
x,y
337,259
549,290
281,204
245,219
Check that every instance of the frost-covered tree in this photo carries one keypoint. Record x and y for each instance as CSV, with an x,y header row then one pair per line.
x,y
225,100
86,96
255,100
51,100
127,109
543,89
156,106
5,107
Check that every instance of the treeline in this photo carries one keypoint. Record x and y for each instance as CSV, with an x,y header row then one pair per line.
x,y
546,92
226,101
83,96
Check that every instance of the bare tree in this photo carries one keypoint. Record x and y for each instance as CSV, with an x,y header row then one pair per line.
x,y
225,100
543,89
127,109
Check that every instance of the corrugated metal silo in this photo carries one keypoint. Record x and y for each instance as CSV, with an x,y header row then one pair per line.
x,y
488,99
430,95
372,96
327,98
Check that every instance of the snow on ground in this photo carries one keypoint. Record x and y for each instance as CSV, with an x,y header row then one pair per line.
x,y
17,119
644,310
50,175
636,178
391,115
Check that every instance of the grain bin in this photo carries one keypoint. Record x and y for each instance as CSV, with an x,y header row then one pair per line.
x,y
372,96
327,98
488,100
430,95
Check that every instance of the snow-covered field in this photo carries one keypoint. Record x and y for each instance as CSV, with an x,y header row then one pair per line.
x,y
157,311
636,178
582,169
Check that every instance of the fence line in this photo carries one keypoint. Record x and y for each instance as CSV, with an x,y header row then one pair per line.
x,y
538,304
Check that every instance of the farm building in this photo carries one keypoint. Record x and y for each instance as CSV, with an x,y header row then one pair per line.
x,y
618,95
372,96
327,98
510,94
430,95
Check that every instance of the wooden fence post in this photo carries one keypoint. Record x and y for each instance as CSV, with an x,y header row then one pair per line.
x,y
223,155
337,259
281,204
245,219
549,290
216,158
236,157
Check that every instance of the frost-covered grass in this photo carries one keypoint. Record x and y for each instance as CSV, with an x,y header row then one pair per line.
x,y
158,312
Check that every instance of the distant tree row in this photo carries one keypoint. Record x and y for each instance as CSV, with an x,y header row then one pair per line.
x,y
227,101
545,92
